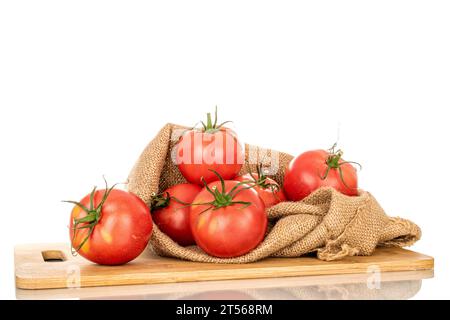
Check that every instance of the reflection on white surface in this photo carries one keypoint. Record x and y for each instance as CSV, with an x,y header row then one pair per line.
x,y
389,285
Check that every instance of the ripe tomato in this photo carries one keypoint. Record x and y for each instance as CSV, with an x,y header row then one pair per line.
x,y
230,221
110,226
268,189
319,168
170,211
214,147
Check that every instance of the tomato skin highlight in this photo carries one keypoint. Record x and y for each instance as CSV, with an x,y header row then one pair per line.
x,y
198,152
122,233
268,196
229,231
304,175
174,219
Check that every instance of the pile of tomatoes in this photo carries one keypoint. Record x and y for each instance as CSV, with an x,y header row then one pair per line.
x,y
220,211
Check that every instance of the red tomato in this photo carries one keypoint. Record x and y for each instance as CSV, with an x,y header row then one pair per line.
x,y
314,169
268,189
232,221
214,147
110,226
170,212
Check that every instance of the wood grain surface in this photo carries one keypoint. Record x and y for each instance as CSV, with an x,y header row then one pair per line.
x,y
33,272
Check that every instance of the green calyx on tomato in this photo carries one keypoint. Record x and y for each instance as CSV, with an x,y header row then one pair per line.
x,y
211,127
223,198
92,217
334,162
162,200
261,179
159,201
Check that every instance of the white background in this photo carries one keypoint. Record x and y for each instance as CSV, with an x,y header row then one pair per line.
x,y
84,85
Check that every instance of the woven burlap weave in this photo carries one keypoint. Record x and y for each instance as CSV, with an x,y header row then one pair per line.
x,y
326,222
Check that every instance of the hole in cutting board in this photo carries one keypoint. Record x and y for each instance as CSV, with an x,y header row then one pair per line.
x,y
53,256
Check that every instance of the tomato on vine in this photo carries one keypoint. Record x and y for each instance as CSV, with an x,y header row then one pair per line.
x,y
170,211
320,168
228,218
213,147
110,226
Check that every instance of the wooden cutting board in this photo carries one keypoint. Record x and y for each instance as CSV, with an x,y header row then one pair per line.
x,y
47,266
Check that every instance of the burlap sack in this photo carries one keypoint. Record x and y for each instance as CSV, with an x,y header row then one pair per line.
x,y
326,222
